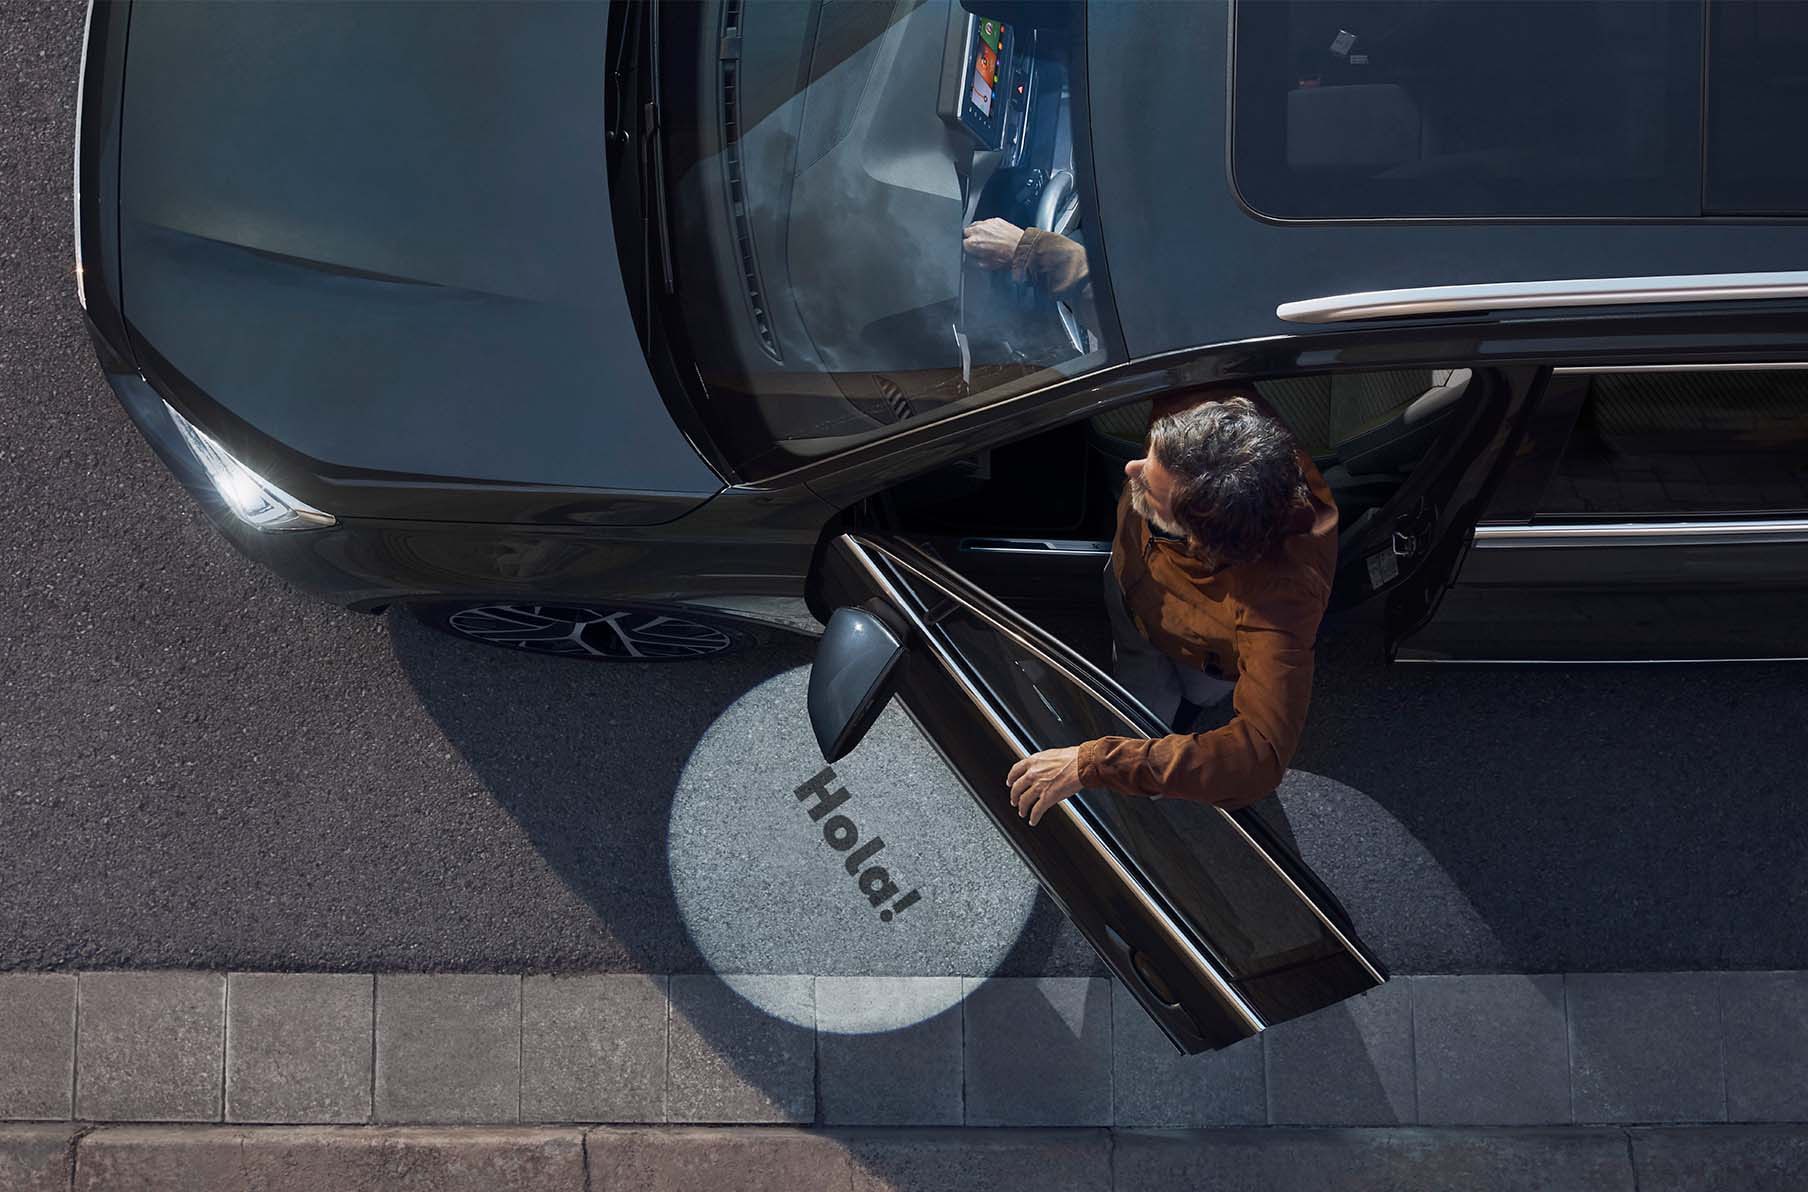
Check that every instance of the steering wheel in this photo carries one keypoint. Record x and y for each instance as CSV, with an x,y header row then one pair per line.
x,y
1057,211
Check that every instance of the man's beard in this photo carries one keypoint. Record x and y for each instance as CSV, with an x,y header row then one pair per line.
x,y
1139,501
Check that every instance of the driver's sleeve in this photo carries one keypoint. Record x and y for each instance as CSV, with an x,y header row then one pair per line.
x,y
1240,763
1053,262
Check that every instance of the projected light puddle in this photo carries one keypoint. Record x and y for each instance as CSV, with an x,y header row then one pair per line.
x,y
880,865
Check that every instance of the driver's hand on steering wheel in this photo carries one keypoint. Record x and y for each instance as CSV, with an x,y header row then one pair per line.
x,y
991,242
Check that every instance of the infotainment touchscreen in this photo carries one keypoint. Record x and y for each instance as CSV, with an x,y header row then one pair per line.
x,y
985,97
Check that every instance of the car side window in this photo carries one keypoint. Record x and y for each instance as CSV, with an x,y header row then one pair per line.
x,y
1656,444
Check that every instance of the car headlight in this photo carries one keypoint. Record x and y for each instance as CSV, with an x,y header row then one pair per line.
x,y
252,499
81,85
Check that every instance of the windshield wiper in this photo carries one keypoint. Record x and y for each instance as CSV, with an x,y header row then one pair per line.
x,y
633,77
653,151
623,61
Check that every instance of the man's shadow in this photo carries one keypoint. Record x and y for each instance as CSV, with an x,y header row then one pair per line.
x,y
1548,819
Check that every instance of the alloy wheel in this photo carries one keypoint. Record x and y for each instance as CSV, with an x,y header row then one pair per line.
x,y
590,631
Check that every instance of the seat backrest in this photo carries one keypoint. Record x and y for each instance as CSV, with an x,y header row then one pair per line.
x,y
1127,425
1399,437
1304,404
1360,402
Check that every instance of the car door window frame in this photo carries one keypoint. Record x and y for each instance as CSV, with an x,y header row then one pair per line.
x,y
896,577
1083,674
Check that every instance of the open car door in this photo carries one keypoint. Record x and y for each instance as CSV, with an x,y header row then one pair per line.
x,y
1208,919
1408,549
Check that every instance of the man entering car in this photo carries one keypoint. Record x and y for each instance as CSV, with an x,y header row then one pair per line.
x,y
1220,571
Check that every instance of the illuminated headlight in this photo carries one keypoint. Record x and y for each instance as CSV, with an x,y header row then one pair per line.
x,y
254,500
81,85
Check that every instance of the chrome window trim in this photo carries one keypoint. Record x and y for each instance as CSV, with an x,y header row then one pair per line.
x,y
989,544
1653,533
1519,295
1427,660
81,85
1584,370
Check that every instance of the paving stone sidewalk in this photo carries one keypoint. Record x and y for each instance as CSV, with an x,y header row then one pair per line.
x,y
61,1158
319,1049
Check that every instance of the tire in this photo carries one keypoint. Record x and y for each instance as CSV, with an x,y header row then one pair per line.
x,y
594,632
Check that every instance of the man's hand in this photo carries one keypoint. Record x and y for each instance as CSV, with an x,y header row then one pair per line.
x,y
1043,779
991,242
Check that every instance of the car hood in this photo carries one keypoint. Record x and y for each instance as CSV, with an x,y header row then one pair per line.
x,y
380,234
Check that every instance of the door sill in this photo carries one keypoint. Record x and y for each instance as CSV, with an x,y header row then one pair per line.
x,y
1035,546
1460,660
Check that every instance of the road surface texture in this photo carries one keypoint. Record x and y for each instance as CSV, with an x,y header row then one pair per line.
x,y
200,768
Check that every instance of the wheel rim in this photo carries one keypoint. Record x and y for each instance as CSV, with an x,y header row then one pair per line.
x,y
582,631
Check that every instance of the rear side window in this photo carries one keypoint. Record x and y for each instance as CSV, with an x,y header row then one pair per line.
x,y
1680,443
1469,108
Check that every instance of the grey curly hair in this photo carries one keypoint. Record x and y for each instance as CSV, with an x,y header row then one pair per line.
x,y
1239,477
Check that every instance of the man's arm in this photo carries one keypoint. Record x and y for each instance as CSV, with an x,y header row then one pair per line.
x,y
1053,262
1240,763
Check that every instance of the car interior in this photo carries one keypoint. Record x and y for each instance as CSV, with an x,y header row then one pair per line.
x,y
1032,521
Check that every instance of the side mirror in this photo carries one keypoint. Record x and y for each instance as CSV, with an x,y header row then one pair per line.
x,y
851,680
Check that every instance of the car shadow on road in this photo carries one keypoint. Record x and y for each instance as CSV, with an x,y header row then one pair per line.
x,y
1544,819
586,760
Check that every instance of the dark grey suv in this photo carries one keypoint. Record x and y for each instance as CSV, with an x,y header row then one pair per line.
x,y
622,331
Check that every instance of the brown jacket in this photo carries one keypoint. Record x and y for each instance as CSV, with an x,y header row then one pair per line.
x,y
1055,263
1254,624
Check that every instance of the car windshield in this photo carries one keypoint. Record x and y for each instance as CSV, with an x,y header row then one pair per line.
x,y
877,213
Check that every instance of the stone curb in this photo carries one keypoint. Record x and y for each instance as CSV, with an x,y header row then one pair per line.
x,y
191,1158
357,1049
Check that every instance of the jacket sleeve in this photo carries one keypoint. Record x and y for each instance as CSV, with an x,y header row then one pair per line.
x,y
1240,763
1053,262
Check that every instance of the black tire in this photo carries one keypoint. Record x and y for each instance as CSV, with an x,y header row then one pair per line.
x,y
589,631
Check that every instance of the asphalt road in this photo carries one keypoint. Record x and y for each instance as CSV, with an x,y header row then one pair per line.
x,y
199,767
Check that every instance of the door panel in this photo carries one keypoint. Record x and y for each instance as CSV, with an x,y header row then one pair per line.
x,y
1613,597
1432,529
1616,619
1210,922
